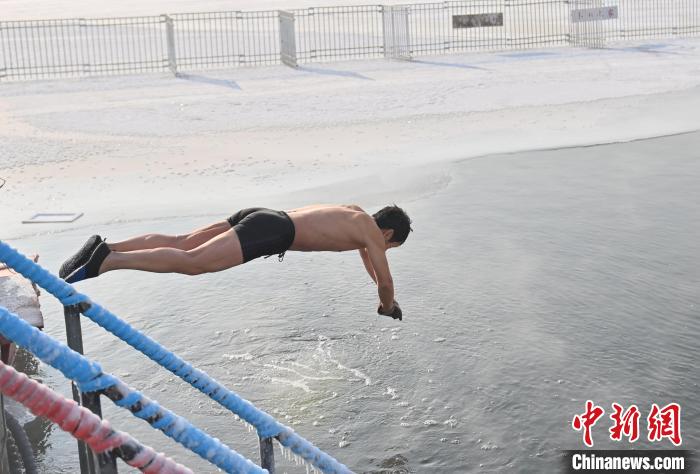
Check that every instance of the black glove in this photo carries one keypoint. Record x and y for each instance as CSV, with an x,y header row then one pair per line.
x,y
395,313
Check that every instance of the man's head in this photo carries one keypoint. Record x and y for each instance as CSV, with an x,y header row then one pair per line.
x,y
394,224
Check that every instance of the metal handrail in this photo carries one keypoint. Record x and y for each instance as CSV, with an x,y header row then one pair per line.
x,y
266,426
83,424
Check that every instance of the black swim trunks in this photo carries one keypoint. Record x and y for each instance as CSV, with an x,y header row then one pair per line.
x,y
262,232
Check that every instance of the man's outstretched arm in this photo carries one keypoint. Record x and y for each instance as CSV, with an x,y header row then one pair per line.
x,y
368,264
385,284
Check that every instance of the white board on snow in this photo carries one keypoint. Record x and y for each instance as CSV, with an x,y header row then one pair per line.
x,y
53,217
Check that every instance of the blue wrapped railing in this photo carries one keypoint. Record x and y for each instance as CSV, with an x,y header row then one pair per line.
x,y
266,426
90,378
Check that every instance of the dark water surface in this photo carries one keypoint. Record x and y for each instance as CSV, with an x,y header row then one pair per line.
x,y
532,283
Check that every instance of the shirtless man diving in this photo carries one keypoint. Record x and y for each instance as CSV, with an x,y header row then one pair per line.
x,y
252,233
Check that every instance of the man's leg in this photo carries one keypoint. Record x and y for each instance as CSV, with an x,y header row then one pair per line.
x,y
183,242
221,252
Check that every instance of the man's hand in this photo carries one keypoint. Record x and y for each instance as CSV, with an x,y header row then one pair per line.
x,y
393,312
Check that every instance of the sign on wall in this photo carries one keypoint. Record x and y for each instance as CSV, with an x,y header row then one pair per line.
x,y
593,14
478,20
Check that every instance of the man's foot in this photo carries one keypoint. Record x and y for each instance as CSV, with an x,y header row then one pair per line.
x,y
91,268
80,257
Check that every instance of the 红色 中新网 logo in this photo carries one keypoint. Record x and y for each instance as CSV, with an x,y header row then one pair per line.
x,y
661,423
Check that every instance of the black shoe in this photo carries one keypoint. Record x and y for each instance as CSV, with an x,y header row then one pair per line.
x,y
80,257
92,267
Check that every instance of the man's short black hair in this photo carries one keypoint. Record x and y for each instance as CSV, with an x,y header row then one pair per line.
x,y
395,218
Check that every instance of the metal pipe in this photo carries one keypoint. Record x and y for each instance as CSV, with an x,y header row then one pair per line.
x,y
267,455
90,463
74,338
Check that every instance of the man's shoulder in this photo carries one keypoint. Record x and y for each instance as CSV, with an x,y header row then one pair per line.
x,y
368,226
354,207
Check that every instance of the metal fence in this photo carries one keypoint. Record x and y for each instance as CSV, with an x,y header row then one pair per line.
x,y
51,48
225,39
195,41
633,19
339,33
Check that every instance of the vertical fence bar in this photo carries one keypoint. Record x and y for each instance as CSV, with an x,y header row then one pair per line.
x,y
387,32
170,35
4,461
5,55
267,455
89,462
105,463
288,50
74,337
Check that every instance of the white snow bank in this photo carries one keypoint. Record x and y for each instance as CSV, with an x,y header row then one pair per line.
x,y
138,147
19,296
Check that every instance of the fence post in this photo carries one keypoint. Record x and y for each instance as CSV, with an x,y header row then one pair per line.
x,y
387,29
170,36
4,461
267,455
288,46
89,463
74,337
397,41
105,462
5,56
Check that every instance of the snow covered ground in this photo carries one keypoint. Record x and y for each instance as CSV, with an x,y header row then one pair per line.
x,y
210,142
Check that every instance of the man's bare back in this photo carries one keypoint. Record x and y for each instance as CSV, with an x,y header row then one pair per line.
x,y
326,227
252,233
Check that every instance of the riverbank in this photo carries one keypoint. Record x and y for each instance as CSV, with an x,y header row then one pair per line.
x,y
143,147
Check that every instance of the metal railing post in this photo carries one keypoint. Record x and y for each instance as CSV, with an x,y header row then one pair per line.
x,y
288,47
267,455
105,463
89,462
170,36
4,461
387,32
6,63
74,338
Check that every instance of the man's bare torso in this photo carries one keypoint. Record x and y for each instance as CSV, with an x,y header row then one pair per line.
x,y
331,227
